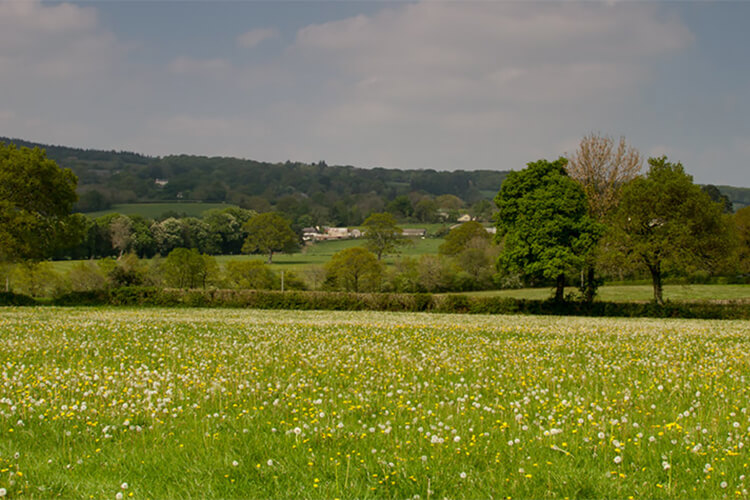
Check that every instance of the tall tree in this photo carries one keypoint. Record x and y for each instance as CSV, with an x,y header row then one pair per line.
x,y
269,233
664,220
382,234
602,167
36,199
543,223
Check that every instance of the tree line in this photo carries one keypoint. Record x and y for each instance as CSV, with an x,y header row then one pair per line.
x,y
576,219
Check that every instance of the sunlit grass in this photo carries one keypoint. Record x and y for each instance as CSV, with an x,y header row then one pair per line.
x,y
266,404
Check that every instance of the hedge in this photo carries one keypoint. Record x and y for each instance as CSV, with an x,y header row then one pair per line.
x,y
342,301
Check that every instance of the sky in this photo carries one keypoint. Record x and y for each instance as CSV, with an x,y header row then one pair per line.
x,y
440,84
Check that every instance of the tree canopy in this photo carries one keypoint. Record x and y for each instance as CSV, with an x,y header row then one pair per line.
x,y
665,220
354,270
36,199
269,233
543,223
460,236
382,234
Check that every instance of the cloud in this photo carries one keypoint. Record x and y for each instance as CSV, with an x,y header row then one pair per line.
x,y
59,42
184,65
430,81
255,37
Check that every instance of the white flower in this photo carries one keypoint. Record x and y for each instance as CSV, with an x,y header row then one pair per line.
x,y
235,463
119,495
3,492
463,475
456,439
270,462
666,465
124,486
297,431
723,484
618,459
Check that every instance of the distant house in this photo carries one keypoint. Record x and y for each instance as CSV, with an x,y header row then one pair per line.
x,y
414,233
161,182
464,218
491,229
310,234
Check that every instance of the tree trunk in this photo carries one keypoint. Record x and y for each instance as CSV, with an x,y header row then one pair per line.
x,y
270,257
656,280
560,288
589,287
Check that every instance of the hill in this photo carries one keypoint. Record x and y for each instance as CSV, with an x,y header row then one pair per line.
x,y
326,194
346,193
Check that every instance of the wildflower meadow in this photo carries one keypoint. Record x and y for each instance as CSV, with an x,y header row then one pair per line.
x,y
194,403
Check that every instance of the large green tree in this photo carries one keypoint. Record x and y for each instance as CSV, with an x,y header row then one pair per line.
x,y
665,221
36,199
382,234
269,233
543,223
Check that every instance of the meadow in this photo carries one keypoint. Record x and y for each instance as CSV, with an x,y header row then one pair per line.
x,y
175,403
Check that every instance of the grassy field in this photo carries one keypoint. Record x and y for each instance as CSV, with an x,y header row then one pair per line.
x,y
154,210
627,293
248,404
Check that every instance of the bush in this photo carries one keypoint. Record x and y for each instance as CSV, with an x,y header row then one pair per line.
x,y
16,299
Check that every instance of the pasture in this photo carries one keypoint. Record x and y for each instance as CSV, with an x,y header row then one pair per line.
x,y
176,403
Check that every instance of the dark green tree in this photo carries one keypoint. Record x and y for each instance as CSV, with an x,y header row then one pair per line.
x,y
543,223
665,221
742,222
36,200
382,234
269,233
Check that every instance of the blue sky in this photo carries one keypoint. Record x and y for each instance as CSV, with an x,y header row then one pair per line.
x,y
441,84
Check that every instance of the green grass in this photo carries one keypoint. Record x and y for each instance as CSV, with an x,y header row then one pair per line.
x,y
627,293
256,404
154,210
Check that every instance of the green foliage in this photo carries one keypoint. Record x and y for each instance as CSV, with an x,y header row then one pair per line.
x,y
185,268
742,222
86,276
36,279
269,233
543,223
382,234
250,274
354,270
718,197
459,237
36,199
664,220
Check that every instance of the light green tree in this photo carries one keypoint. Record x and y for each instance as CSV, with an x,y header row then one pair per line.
x,y
460,236
185,268
269,233
354,270
382,234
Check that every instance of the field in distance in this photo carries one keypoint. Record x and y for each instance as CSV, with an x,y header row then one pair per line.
x,y
257,404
